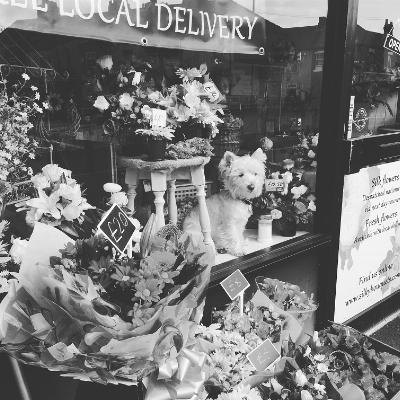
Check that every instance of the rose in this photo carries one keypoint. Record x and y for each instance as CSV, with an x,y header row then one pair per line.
x,y
314,140
52,172
126,101
267,144
288,163
101,103
311,154
105,62
287,177
119,198
298,191
276,214
18,250
312,206
40,181
71,212
313,164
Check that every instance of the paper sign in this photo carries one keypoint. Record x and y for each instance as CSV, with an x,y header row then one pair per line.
x,y
392,44
136,78
213,93
263,356
158,118
235,284
117,228
274,185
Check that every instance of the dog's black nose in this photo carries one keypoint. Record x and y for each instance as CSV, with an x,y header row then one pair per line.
x,y
250,187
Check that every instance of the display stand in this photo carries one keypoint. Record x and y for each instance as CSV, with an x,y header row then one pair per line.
x,y
162,176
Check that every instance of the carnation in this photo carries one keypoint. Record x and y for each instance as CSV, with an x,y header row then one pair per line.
x,y
126,101
101,103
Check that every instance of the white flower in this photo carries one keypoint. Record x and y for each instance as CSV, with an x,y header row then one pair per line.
x,y
112,187
311,154
45,205
4,285
126,101
304,143
276,214
18,250
34,88
119,198
154,96
323,368
105,62
45,105
40,181
306,395
25,77
298,191
71,211
52,172
312,206
37,96
313,164
314,140
319,357
146,112
319,388
288,163
287,177
70,192
275,175
300,378
101,103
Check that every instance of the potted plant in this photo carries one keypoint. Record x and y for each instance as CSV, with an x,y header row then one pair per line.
x,y
157,141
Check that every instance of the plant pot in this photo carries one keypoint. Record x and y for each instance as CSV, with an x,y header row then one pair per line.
x,y
285,227
157,149
134,145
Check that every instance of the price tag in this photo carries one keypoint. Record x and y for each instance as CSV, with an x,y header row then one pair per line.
x,y
117,228
136,78
263,356
212,91
274,185
158,118
235,284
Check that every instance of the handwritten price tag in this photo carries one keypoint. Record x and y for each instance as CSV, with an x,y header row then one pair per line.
x,y
212,91
117,227
235,284
159,118
274,185
263,356
136,78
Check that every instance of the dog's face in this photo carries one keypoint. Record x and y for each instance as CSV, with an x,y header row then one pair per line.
x,y
243,176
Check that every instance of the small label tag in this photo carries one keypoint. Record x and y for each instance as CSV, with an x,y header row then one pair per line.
x,y
147,186
263,356
159,118
274,185
136,78
235,284
60,352
212,91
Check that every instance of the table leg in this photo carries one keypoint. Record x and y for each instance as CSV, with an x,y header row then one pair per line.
x,y
159,187
172,208
131,179
199,181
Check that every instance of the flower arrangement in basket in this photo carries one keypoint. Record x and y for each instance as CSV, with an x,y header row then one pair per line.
x,y
19,105
77,308
292,207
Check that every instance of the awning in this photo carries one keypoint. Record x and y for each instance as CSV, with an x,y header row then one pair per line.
x,y
215,26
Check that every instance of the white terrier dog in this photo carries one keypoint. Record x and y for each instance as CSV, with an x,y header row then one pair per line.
x,y
229,210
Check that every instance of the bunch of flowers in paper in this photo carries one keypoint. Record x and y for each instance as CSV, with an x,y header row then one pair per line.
x,y
96,316
59,197
230,339
295,201
18,107
305,153
337,362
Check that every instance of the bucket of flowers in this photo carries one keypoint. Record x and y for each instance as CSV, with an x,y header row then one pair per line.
x,y
78,308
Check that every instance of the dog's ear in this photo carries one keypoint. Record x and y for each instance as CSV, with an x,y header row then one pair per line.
x,y
259,155
226,161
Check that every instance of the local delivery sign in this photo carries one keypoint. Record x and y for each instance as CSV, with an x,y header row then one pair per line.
x,y
392,44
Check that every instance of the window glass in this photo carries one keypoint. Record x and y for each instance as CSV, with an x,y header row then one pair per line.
x,y
376,72
246,74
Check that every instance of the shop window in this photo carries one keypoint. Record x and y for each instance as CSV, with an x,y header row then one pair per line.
x,y
222,71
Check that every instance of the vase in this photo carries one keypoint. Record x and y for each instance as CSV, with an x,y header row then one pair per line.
x,y
285,227
157,149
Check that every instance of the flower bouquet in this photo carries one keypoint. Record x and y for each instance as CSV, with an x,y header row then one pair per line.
x,y
76,308
305,153
59,202
287,298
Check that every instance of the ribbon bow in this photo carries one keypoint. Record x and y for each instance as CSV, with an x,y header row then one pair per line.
x,y
180,377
